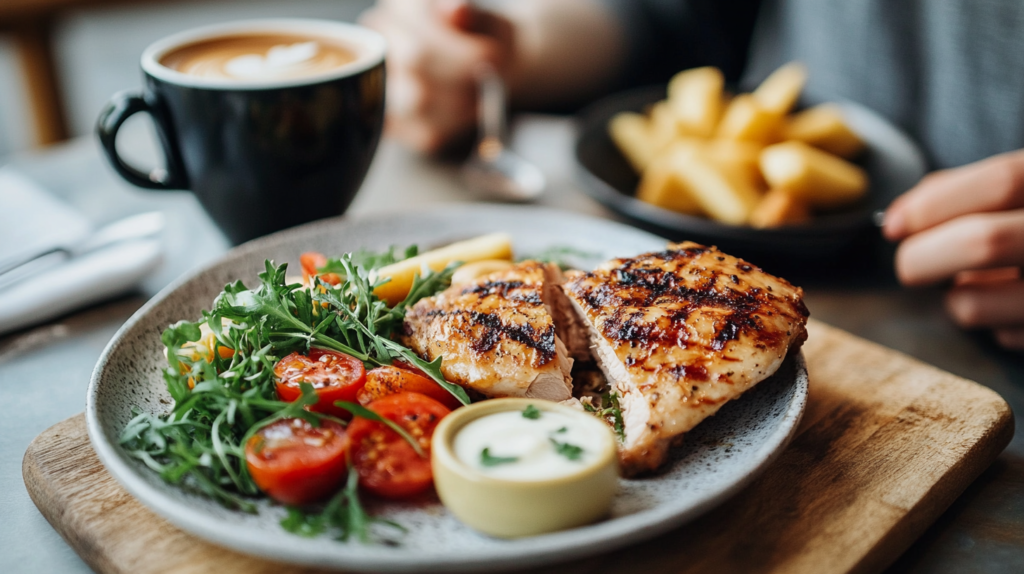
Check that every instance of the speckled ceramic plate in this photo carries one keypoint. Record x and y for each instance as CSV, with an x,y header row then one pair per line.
x,y
717,459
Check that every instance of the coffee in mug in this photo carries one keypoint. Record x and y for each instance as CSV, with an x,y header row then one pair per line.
x,y
271,123
262,56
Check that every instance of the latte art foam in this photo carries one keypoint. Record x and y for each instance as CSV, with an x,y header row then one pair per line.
x,y
257,57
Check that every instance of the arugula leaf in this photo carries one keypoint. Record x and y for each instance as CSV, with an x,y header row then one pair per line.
x,y
531,412
369,260
175,336
361,411
487,459
569,451
343,514
371,323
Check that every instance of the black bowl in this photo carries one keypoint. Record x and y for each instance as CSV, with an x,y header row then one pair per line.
x,y
892,160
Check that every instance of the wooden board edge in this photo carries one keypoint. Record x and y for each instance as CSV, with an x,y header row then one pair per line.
x,y
944,492
49,502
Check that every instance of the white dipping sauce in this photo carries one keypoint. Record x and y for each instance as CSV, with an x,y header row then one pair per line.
x,y
531,442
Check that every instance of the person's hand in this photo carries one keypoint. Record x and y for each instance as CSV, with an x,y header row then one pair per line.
x,y
967,224
435,52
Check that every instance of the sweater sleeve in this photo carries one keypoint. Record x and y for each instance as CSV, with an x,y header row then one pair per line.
x,y
666,36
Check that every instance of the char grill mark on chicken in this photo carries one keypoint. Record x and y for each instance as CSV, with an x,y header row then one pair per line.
x,y
680,332
496,335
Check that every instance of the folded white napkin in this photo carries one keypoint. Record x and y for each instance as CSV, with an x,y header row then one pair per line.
x,y
51,261
33,222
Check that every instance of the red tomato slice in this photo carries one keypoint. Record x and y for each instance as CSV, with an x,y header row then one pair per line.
x,y
311,262
295,463
335,377
384,381
388,466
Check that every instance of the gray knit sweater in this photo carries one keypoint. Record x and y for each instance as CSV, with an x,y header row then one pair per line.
x,y
949,72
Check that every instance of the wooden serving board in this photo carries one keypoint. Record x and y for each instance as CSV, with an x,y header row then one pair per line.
x,y
886,444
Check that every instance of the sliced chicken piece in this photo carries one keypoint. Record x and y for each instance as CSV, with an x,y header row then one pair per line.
x,y
681,332
569,326
496,334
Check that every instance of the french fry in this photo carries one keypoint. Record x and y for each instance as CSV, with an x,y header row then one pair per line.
x,y
729,198
746,120
696,100
632,135
779,207
665,127
779,92
493,246
824,128
820,178
659,185
737,156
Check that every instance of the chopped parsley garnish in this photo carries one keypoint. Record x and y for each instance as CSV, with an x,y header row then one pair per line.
x,y
569,451
611,414
487,459
561,430
531,412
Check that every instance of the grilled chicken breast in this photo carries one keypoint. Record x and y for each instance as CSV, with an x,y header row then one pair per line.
x,y
497,334
681,332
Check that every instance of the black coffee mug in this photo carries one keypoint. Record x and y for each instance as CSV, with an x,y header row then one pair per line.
x,y
260,155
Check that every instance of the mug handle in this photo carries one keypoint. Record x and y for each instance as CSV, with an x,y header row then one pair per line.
x,y
120,107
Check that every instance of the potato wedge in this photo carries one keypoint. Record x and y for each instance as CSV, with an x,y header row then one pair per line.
x,y
824,128
726,197
632,135
659,185
696,100
746,120
477,269
779,207
779,92
823,180
493,246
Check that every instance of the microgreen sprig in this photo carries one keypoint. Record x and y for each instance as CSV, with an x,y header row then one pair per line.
x,y
361,411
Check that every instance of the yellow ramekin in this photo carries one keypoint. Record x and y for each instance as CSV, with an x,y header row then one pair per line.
x,y
512,508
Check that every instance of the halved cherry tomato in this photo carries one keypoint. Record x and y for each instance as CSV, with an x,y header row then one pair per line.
x,y
384,381
387,464
311,262
335,377
295,463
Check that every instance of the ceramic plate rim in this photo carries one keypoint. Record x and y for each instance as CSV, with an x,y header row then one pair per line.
x,y
601,537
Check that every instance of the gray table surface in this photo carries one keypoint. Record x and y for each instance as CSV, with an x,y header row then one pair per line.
x,y
44,371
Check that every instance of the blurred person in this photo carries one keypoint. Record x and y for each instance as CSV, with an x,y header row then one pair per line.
x,y
948,72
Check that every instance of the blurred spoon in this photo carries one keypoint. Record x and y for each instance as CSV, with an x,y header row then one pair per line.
x,y
494,171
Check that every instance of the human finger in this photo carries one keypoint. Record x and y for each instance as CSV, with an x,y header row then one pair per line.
x,y
472,19
981,276
406,97
993,184
1011,338
979,241
992,305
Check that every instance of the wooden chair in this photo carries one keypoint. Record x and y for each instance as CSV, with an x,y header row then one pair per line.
x,y
30,25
